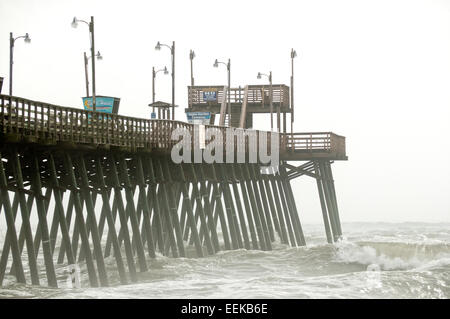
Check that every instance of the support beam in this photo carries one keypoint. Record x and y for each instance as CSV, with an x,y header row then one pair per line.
x,y
189,212
298,231
110,220
25,218
92,221
246,200
207,206
260,213
113,176
93,279
166,217
132,214
173,211
203,224
11,233
60,212
145,208
322,204
264,242
46,247
237,200
230,216
333,196
328,201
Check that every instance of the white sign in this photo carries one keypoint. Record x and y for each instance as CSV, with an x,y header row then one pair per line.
x,y
198,117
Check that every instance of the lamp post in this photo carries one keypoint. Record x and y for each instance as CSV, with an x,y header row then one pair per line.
x,y
172,53
27,39
91,31
153,85
86,60
269,76
191,57
228,65
293,55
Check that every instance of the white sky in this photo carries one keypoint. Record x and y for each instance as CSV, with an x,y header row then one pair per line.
x,y
377,72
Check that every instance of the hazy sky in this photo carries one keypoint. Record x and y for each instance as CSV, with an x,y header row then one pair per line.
x,y
377,72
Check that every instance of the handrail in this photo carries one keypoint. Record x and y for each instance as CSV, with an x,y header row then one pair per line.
x,y
46,121
257,94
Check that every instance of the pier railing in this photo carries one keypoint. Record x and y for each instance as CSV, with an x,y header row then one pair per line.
x,y
257,94
47,123
317,142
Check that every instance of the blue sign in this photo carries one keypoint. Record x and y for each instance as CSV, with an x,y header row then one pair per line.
x,y
153,115
102,104
198,117
209,96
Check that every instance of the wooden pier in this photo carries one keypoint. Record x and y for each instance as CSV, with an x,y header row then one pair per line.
x,y
103,185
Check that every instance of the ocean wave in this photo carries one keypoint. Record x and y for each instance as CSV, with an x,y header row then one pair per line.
x,y
394,255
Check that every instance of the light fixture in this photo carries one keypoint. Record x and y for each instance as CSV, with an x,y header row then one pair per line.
x,y
259,76
99,56
165,70
27,38
293,54
158,46
216,64
192,54
74,22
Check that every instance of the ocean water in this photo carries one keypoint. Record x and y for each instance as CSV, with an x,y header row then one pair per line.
x,y
373,260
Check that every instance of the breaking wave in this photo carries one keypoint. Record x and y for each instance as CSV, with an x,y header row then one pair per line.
x,y
394,255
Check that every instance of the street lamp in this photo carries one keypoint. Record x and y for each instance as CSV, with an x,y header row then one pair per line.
x,y
153,84
172,53
86,60
228,65
269,76
91,30
293,55
27,39
191,57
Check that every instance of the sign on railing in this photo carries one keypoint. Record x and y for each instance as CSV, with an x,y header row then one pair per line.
x,y
210,95
198,117
104,104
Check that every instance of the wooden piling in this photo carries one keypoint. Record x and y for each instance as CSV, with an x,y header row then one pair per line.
x,y
190,220
145,209
237,200
207,206
113,176
264,242
110,220
259,212
46,247
93,279
132,214
322,203
203,224
25,218
298,230
92,220
11,233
